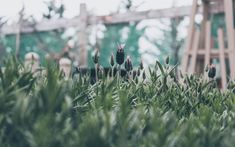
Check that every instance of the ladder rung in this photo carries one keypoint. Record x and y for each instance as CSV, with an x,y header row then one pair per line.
x,y
214,53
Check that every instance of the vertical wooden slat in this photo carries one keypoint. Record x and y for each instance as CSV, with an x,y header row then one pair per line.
x,y
203,25
82,37
199,65
222,58
208,43
200,61
190,37
18,34
228,4
17,47
194,51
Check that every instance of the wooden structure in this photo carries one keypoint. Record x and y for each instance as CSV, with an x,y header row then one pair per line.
x,y
47,25
200,48
83,20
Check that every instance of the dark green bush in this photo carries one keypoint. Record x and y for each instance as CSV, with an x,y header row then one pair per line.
x,y
39,111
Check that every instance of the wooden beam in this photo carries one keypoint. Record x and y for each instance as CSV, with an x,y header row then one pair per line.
x,y
205,12
190,37
138,16
228,6
214,53
47,25
222,58
208,43
82,37
44,25
194,51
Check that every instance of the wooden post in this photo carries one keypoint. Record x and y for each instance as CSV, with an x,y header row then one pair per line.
x,y
194,51
208,43
17,50
17,47
228,7
222,58
190,38
203,25
82,37
205,13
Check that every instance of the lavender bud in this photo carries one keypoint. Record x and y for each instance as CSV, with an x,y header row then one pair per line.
x,y
128,64
144,75
138,72
167,60
96,57
141,65
212,71
136,80
120,55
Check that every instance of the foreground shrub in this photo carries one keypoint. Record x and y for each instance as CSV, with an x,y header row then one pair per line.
x,y
160,110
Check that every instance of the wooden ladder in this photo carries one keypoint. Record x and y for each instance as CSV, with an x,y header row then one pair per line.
x,y
200,50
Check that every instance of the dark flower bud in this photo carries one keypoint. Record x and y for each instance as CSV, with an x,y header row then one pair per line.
x,y
120,55
136,80
112,60
212,71
128,64
144,75
138,72
141,65
96,57
167,60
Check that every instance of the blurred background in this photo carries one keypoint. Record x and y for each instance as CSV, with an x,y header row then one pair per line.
x,y
146,39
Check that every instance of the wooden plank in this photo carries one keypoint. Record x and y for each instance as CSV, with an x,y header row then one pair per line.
x,y
214,53
222,58
18,34
228,4
44,25
17,46
205,12
194,51
190,37
208,43
82,37
47,25
138,16
199,68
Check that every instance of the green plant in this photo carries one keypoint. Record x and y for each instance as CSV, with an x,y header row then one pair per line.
x,y
162,110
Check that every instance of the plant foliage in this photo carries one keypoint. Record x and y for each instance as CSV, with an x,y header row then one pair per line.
x,y
161,110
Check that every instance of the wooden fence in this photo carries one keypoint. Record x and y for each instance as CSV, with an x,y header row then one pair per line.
x,y
84,19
